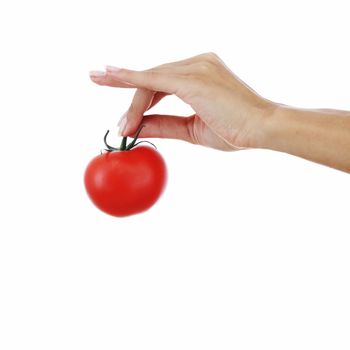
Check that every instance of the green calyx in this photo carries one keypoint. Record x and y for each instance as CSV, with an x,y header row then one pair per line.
x,y
124,146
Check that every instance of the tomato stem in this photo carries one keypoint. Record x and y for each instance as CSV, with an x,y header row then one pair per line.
x,y
124,146
109,148
132,143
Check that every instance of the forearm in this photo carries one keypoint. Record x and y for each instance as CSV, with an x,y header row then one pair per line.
x,y
322,136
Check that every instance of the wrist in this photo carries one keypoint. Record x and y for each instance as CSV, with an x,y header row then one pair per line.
x,y
283,129
266,125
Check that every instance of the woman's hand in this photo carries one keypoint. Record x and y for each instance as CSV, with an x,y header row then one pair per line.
x,y
228,114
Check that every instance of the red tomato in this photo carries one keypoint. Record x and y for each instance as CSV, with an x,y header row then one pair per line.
x,y
122,183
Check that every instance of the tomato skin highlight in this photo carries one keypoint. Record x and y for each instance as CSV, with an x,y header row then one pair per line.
x,y
124,183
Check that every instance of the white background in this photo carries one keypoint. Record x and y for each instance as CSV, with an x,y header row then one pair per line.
x,y
245,250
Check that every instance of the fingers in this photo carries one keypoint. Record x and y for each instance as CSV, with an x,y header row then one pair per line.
x,y
143,100
109,77
164,80
157,80
101,78
166,77
131,120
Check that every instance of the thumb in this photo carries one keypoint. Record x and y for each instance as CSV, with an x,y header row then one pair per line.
x,y
167,126
190,129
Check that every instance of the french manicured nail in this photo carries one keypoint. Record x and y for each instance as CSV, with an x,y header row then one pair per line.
x,y
122,126
97,73
113,69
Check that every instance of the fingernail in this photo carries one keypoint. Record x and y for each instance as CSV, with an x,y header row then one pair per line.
x,y
121,119
122,126
97,73
113,69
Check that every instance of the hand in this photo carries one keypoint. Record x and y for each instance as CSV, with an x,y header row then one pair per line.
x,y
228,114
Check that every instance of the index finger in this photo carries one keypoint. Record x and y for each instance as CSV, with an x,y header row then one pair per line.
x,y
153,79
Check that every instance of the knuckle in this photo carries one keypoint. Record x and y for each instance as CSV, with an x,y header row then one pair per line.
x,y
204,67
211,57
151,78
152,73
208,63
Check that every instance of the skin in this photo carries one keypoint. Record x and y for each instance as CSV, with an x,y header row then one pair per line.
x,y
229,115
